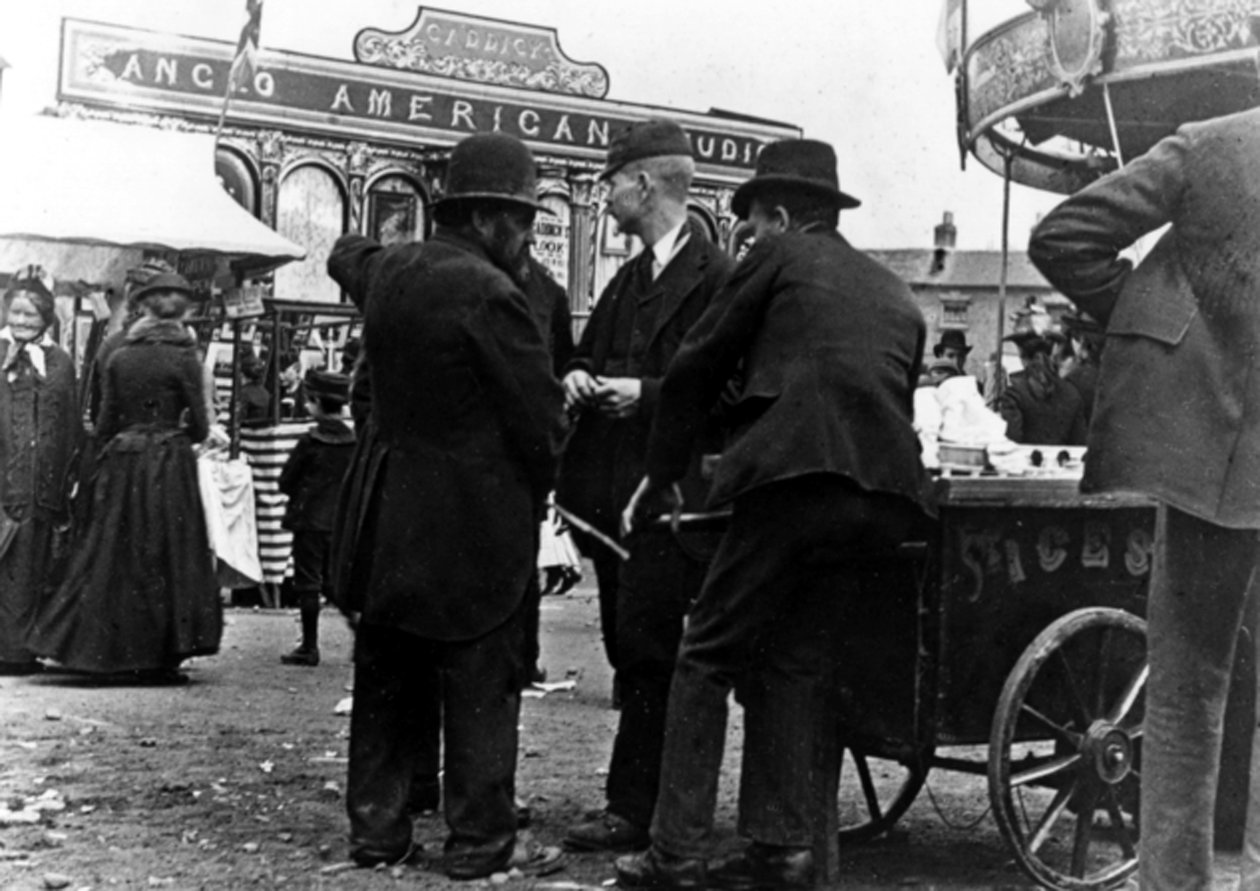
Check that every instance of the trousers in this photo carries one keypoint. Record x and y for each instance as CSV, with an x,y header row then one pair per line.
x,y
391,731
655,589
767,624
1195,608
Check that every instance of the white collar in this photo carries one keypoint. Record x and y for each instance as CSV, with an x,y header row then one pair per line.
x,y
668,246
35,349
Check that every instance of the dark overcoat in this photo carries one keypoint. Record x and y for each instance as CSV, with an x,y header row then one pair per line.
x,y
467,418
605,458
1058,419
830,343
312,475
1177,411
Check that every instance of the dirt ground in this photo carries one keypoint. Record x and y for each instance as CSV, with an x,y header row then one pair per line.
x,y
235,780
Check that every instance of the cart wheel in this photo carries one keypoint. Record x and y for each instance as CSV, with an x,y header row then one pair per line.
x,y
1065,750
875,790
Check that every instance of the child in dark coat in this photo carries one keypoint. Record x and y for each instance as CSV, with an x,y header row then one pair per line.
x,y
312,478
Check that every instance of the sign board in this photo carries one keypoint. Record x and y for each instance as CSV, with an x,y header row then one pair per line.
x,y
466,47
108,65
244,302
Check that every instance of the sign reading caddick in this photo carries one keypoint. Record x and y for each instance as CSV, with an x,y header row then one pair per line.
x,y
141,70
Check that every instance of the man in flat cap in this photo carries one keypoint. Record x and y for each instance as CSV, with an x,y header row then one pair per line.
x,y
461,452
612,382
821,464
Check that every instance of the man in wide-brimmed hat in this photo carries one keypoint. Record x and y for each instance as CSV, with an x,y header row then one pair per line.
x,y
437,539
822,461
611,384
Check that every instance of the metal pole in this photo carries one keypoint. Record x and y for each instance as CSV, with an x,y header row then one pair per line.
x,y
1111,122
234,414
1000,371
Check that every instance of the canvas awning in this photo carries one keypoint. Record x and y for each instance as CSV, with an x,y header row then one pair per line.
x,y
103,184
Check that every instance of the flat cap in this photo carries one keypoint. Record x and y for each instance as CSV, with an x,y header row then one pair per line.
x,y
645,139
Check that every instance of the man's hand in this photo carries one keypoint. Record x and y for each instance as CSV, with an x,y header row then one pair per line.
x,y
618,397
579,389
642,501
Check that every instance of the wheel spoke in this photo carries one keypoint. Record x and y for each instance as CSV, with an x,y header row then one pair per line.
x,y
1116,813
1130,696
1045,769
1100,681
1048,819
868,786
1074,689
1068,736
1081,837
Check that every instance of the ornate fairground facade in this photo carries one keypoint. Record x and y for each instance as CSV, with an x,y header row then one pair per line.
x,y
316,147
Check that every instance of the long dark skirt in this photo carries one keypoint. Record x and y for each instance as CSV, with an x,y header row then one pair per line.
x,y
23,584
140,592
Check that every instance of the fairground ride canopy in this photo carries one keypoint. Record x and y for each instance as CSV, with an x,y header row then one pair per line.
x,y
1072,89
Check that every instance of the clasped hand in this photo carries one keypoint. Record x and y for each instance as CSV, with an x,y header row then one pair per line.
x,y
617,397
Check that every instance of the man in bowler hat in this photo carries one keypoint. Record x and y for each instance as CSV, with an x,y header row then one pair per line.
x,y
953,345
821,463
466,421
612,383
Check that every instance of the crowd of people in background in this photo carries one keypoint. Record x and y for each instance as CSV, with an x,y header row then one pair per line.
x,y
471,405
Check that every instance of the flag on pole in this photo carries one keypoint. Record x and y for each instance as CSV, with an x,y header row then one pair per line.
x,y
949,33
243,62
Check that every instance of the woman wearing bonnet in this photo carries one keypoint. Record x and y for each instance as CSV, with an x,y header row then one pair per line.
x,y
140,595
39,435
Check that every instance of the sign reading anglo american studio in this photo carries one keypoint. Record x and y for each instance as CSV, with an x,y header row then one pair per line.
x,y
119,67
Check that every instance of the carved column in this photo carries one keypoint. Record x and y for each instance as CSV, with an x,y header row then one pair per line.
x,y
358,158
584,192
271,150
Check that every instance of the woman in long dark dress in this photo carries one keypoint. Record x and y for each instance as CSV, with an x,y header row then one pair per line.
x,y
39,434
140,595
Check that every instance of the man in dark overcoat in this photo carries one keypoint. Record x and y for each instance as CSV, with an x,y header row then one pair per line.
x,y
467,419
1175,417
613,380
821,464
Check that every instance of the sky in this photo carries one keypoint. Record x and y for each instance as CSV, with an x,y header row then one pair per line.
x,y
864,76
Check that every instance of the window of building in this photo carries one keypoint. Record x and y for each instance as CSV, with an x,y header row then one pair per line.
x,y
955,312
310,210
237,178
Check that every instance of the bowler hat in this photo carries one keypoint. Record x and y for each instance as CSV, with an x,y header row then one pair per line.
x,y
492,166
951,338
652,138
164,281
327,385
808,164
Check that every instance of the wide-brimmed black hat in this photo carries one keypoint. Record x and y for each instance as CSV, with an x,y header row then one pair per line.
x,y
653,138
951,338
164,281
492,166
808,164
330,385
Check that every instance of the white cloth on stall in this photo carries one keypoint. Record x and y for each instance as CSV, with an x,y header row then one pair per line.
x,y
227,497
